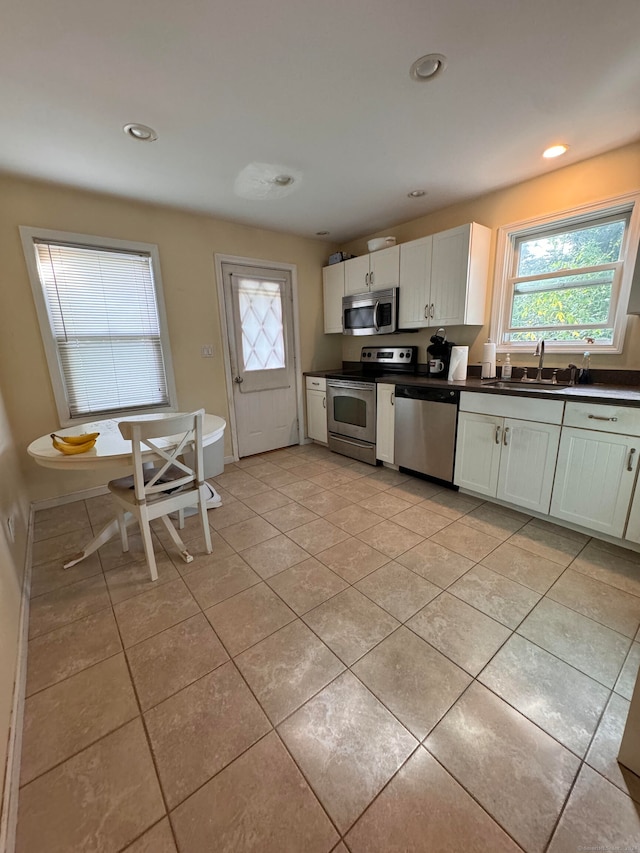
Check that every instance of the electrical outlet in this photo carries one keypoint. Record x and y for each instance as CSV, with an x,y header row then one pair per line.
x,y
206,351
11,529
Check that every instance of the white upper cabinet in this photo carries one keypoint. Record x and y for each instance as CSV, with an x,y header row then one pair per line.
x,y
415,283
443,278
376,271
333,291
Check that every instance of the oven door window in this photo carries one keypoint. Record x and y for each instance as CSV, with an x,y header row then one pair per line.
x,y
350,410
359,318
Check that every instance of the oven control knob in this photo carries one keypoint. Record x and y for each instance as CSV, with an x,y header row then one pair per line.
x,y
401,355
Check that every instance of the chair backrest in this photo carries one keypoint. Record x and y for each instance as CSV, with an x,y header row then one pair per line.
x,y
167,438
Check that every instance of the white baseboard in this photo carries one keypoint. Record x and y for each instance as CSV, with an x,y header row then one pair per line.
x,y
9,814
84,494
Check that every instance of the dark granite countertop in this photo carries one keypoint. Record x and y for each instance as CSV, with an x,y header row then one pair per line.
x,y
622,395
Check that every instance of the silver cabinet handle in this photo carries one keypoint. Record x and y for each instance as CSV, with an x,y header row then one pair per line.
x,y
498,429
505,438
432,310
366,280
315,383
371,278
239,380
426,312
630,459
393,398
601,418
324,402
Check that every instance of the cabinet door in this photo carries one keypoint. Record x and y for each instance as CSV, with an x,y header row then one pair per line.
x,y
384,268
594,479
449,267
385,413
333,291
478,452
633,526
528,463
317,415
356,275
459,272
415,283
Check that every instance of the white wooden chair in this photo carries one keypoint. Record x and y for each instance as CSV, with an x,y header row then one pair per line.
x,y
166,488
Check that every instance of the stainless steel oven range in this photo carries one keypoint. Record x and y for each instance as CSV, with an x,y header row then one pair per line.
x,y
351,400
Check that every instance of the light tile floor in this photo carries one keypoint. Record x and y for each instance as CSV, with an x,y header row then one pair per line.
x,y
365,663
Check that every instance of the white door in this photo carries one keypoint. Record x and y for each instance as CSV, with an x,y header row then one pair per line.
x,y
528,463
259,309
478,452
594,479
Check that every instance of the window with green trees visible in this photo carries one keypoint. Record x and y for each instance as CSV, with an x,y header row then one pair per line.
x,y
563,281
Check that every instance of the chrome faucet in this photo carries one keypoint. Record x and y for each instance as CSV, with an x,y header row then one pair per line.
x,y
540,351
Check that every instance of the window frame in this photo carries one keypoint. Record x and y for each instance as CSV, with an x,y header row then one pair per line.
x,y
507,246
28,236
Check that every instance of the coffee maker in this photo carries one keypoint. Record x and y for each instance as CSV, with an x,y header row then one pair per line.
x,y
439,355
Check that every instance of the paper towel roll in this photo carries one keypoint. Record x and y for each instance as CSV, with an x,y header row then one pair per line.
x,y
488,360
458,363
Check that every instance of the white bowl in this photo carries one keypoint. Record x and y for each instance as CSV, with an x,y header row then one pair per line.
x,y
381,243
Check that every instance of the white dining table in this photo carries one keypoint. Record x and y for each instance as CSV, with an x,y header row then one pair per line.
x,y
112,450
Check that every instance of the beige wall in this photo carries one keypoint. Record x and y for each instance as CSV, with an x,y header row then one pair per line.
x,y
187,244
611,174
13,503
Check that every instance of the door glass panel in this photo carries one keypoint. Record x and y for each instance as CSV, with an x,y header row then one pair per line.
x,y
350,410
260,304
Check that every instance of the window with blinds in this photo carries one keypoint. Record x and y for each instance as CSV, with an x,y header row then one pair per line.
x,y
103,316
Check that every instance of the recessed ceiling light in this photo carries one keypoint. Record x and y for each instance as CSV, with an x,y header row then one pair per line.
x,y
417,193
428,66
283,180
140,132
555,151
322,233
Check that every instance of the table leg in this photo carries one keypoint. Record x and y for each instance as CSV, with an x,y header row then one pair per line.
x,y
110,530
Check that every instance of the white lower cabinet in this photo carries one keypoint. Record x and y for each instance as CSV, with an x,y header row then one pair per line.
x,y
594,480
317,409
527,463
385,418
506,458
478,453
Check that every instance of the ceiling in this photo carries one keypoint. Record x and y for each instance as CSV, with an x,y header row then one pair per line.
x,y
317,90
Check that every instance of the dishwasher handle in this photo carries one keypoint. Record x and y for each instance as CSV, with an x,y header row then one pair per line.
x,y
428,395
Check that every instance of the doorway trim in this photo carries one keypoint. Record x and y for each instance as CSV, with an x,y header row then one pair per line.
x,y
292,269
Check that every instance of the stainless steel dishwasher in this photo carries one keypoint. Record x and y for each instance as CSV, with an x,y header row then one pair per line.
x,y
425,430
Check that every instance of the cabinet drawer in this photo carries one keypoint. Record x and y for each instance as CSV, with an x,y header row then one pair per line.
x,y
505,406
316,383
620,419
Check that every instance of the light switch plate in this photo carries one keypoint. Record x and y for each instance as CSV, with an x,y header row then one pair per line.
x,y
206,351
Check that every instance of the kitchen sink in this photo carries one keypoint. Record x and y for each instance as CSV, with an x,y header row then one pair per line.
x,y
528,386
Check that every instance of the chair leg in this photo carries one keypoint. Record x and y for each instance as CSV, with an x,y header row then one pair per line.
x,y
173,533
181,518
122,527
204,518
147,541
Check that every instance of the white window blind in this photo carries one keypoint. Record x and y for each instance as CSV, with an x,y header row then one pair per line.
x,y
104,317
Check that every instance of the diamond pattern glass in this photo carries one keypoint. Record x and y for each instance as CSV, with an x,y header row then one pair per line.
x,y
260,305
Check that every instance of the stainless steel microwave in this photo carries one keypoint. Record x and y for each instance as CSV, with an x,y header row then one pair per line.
x,y
374,313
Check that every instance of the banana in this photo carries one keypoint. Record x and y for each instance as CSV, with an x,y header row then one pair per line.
x,y
71,449
78,439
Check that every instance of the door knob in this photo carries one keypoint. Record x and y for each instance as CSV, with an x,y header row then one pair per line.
x,y
238,379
